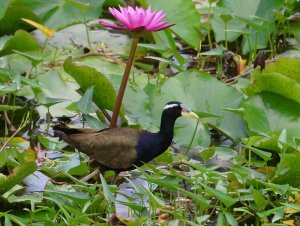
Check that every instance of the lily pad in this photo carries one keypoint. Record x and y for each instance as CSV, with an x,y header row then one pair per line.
x,y
58,14
76,35
282,77
104,94
266,112
21,41
184,15
11,20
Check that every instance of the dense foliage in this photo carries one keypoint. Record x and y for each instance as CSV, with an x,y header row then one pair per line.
x,y
239,165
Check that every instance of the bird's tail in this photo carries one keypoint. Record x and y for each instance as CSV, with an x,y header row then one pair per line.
x,y
62,128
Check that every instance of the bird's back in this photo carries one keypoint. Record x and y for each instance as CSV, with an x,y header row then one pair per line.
x,y
114,148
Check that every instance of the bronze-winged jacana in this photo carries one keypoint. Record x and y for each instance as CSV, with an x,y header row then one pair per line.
x,y
121,149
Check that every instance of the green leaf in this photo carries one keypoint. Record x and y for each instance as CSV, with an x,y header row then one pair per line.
x,y
263,154
155,201
9,88
292,206
278,188
93,122
214,52
160,59
276,83
245,15
223,197
85,103
137,113
287,170
271,211
78,197
30,198
226,18
104,94
235,27
21,41
16,219
259,199
285,65
186,18
34,58
221,219
17,175
3,7
106,191
51,143
58,14
5,75
271,112
196,198
230,219
11,21
207,153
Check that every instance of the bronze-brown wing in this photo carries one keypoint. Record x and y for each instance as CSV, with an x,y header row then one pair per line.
x,y
113,148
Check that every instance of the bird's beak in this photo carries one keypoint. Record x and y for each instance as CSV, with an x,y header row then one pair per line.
x,y
188,113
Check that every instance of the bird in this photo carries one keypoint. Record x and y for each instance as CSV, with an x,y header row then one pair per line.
x,y
122,149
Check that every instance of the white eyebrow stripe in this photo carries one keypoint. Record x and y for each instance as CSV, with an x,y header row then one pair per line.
x,y
170,106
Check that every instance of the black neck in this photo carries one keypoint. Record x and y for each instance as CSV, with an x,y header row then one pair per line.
x,y
165,134
154,144
167,127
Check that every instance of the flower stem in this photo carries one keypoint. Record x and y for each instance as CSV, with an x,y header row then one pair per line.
x,y
113,122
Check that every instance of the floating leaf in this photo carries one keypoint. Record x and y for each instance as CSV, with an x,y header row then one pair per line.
x,y
104,94
275,83
185,16
11,21
269,112
22,41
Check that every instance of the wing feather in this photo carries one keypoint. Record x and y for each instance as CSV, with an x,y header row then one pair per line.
x,y
107,146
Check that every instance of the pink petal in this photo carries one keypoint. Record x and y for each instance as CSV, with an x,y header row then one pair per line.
x,y
111,25
140,16
132,19
131,10
164,27
157,18
155,26
149,18
112,11
119,16
123,10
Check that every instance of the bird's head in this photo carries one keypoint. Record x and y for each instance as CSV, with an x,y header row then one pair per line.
x,y
176,109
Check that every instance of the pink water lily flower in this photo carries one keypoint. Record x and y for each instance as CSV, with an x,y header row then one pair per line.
x,y
138,19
